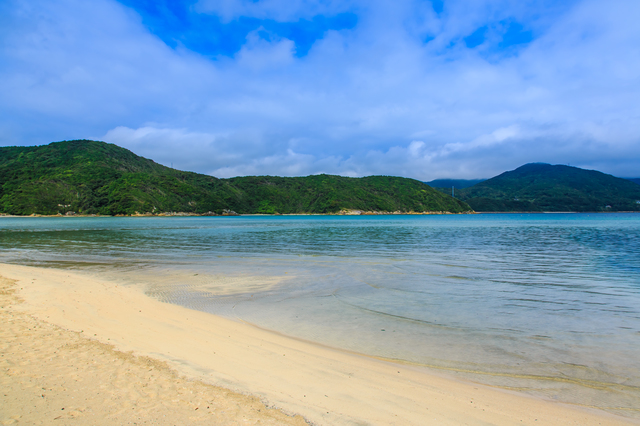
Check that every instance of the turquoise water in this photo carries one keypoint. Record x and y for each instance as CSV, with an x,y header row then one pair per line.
x,y
548,304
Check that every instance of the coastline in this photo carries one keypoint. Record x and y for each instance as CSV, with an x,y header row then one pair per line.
x,y
324,385
232,213
342,213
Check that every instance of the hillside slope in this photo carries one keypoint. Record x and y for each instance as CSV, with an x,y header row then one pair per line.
x,y
545,187
455,183
96,177
326,193
93,177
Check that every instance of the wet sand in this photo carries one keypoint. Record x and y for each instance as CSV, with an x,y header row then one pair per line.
x,y
79,349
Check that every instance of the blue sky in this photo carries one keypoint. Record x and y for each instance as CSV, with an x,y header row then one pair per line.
x,y
422,89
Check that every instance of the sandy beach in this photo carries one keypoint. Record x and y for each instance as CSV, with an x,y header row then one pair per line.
x,y
79,349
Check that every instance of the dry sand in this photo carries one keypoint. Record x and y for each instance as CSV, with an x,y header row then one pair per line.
x,y
49,375
108,354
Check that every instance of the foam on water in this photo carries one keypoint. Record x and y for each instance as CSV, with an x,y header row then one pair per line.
x,y
546,304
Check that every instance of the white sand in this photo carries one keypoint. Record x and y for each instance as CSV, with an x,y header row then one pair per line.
x,y
53,376
326,386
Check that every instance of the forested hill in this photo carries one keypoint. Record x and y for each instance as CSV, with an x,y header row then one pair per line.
x,y
545,187
455,183
91,177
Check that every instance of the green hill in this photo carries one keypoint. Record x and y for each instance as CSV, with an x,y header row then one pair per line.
x,y
92,177
544,187
455,183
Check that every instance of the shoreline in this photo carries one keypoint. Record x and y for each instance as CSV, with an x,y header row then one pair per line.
x,y
54,376
233,214
324,385
187,214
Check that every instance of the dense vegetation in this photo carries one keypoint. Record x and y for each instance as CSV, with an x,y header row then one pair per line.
x,y
455,183
543,187
92,177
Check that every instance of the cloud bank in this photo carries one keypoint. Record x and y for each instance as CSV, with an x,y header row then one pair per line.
x,y
421,89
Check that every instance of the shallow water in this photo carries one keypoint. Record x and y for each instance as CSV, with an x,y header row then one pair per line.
x,y
548,304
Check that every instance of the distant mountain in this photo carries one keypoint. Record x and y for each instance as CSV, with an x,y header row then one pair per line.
x,y
455,183
635,180
93,177
545,187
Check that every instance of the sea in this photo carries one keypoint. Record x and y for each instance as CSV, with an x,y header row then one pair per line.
x,y
545,304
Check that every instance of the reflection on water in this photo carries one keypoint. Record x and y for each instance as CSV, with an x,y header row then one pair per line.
x,y
547,304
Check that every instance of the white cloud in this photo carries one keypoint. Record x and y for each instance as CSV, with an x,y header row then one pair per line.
x,y
259,54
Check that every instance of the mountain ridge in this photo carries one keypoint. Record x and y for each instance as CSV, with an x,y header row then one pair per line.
x,y
92,177
545,187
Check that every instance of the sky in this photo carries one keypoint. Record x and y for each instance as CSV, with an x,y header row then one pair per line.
x,y
422,89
